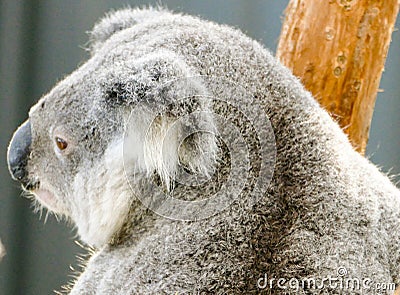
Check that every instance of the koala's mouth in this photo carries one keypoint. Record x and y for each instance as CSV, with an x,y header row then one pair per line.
x,y
31,186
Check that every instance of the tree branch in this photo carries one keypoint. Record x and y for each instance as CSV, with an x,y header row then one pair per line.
x,y
338,49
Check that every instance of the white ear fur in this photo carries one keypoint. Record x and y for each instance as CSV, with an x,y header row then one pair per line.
x,y
161,149
156,145
153,146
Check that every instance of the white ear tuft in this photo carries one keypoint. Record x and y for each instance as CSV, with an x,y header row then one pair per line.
x,y
161,149
159,144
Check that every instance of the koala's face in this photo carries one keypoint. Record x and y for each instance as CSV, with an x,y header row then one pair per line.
x,y
69,153
69,133
59,153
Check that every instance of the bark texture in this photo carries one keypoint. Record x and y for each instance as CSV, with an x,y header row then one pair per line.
x,y
338,49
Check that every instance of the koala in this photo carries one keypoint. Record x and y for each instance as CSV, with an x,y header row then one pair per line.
x,y
193,162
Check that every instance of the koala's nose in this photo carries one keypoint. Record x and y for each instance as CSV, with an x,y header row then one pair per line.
x,y
18,152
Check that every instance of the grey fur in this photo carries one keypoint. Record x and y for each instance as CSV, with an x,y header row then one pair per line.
x,y
327,208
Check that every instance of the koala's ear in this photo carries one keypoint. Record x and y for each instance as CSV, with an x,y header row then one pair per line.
x,y
116,21
178,139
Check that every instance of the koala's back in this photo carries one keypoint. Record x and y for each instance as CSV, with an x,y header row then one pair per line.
x,y
326,209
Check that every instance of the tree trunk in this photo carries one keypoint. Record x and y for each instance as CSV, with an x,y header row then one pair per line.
x,y
338,49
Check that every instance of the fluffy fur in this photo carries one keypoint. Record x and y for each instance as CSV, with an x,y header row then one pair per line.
x,y
326,209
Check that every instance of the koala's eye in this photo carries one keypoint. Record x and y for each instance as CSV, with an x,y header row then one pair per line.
x,y
61,143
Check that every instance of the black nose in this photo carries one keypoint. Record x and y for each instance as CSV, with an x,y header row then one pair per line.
x,y
18,152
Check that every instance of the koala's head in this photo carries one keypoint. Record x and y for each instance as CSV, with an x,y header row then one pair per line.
x,y
70,152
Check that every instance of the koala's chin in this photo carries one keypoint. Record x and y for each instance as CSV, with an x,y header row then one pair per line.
x,y
107,198
47,199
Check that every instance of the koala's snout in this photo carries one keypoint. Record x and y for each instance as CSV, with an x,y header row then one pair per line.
x,y
18,152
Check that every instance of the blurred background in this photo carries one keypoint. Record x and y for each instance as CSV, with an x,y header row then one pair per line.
x,y
41,42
